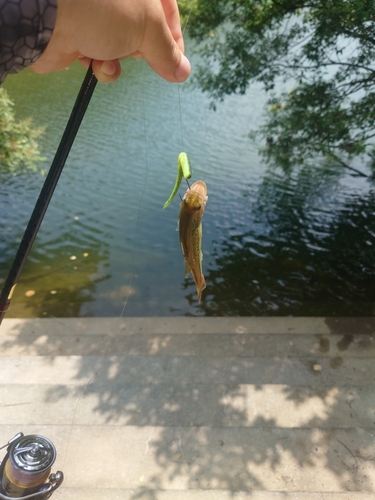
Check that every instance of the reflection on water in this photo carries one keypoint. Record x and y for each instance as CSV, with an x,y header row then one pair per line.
x,y
274,242
309,249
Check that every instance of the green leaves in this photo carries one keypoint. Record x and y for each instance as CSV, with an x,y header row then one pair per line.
x,y
327,46
19,148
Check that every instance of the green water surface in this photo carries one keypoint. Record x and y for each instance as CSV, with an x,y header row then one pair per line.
x,y
274,242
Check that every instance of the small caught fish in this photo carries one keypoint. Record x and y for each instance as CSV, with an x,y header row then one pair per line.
x,y
190,228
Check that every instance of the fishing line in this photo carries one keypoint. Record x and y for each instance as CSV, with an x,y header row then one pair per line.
x,y
104,351
109,339
179,106
146,162
179,84
143,190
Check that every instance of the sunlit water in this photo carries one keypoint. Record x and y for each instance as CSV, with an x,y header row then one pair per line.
x,y
274,243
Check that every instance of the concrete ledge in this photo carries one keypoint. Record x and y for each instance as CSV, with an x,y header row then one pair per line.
x,y
188,325
213,337
176,370
145,494
196,408
171,405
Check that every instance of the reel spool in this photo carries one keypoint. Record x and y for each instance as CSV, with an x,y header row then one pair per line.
x,y
26,467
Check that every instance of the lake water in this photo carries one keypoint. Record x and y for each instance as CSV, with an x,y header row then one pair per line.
x,y
274,243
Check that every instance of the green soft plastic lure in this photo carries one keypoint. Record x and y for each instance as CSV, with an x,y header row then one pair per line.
x,y
183,169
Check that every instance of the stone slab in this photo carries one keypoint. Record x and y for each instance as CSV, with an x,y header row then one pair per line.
x,y
188,325
146,494
266,406
235,459
203,408
150,370
221,345
205,458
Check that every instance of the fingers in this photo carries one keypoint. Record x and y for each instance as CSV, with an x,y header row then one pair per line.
x,y
52,60
152,32
171,64
105,71
172,17
163,53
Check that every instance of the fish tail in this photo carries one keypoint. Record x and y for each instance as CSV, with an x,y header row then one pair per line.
x,y
200,288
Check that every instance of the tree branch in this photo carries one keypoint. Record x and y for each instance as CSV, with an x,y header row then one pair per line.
x,y
345,165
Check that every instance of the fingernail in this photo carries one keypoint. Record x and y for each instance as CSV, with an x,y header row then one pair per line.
x,y
109,68
183,71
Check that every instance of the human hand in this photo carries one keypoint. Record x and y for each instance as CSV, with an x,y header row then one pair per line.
x,y
108,31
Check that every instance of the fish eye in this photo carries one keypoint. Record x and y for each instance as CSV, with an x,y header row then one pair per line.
x,y
198,207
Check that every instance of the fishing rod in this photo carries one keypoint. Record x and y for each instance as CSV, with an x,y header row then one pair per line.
x,y
32,228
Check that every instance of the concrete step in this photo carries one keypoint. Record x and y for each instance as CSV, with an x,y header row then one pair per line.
x,y
203,408
175,370
248,405
145,494
187,325
205,458
235,459
221,337
220,345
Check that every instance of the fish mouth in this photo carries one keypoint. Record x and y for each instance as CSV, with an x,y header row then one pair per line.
x,y
200,187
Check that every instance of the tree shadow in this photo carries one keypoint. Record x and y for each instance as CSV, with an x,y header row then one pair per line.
x,y
306,250
236,411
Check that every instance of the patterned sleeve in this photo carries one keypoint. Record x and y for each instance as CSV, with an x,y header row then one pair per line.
x,y
25,29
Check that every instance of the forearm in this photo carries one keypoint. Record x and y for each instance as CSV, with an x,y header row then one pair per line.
x,y
25,29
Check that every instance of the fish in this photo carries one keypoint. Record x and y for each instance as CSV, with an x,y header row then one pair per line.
x,y
190,230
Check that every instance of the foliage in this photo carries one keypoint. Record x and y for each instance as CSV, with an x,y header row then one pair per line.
x,y
186,8
327,47
18,139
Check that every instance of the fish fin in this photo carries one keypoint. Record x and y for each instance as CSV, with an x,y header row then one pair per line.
x,y
187,270
200,237
178,225
200,289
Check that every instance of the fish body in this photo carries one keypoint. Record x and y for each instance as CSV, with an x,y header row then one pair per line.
x,y
190,229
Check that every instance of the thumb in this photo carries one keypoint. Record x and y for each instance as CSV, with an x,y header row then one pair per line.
x,y
165,57
53,60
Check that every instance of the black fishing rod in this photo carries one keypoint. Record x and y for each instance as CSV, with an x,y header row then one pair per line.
x,y
71,129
